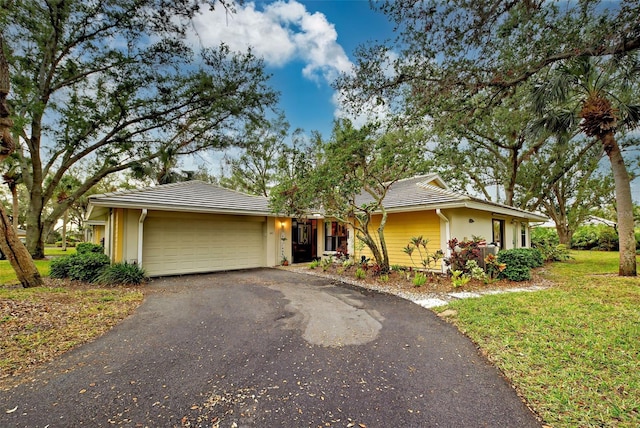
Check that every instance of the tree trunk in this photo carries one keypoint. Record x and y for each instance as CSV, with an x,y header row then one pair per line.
x,y
624,205
384,266
564,235
64,231
15,207
35,230
17,254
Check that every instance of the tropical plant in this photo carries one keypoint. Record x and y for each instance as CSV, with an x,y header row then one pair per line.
x,y
419,279
493,267
459,278
461,252
601,97
475,271
326,263
427,259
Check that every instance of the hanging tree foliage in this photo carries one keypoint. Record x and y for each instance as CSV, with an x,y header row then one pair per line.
x,y
466,57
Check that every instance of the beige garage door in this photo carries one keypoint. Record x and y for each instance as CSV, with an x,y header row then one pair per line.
x,y
201,244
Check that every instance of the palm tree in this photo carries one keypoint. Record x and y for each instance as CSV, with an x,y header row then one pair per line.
x,y
597,95
161,170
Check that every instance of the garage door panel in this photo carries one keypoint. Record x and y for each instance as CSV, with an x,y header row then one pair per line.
x,y
173,246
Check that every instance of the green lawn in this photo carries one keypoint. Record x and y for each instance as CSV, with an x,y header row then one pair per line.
x,y
573,351
8,276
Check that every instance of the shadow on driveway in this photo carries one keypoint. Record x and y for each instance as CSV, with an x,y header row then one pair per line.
x,y
269,348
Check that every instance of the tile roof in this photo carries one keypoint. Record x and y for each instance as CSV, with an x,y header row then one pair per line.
x,y
425,192
195,196
416,191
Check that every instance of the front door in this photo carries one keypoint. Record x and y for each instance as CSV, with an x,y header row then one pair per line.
x,y
304,236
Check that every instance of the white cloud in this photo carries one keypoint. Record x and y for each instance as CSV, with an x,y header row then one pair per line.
x,y
247,27
283,32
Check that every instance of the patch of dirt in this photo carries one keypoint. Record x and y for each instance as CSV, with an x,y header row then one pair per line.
x,y
39,324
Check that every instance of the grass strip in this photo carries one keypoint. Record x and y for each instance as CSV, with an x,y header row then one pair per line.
x,y
572,351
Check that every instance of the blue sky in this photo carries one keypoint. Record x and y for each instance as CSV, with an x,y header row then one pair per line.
x,y
305,45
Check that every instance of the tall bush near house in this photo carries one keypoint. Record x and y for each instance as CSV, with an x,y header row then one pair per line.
x,y
519,262
80,266
544,235
59,267
88,266
553,253
599,237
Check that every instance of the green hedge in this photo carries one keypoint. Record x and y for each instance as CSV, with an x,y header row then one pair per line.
x,y
595,237
80,266
88,247
519,263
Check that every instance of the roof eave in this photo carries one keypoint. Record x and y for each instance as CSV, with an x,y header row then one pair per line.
x,y
504,210
159,207
471,205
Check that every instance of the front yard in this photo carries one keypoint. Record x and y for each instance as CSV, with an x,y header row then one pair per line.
x,y
572,351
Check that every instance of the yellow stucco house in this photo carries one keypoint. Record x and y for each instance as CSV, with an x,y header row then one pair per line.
x,y
194,227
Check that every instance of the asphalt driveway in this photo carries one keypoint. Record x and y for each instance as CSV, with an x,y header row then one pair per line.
x,y
269,348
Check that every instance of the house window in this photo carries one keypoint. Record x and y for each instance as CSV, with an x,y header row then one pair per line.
x,y
335,236
523,235
498,233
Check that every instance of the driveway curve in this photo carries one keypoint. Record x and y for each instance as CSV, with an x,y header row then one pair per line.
x,y
269,348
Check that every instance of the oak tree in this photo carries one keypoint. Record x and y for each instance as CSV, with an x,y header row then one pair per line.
x,y
117,84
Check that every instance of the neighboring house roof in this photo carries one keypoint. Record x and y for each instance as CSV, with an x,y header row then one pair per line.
x,y
590,220
188,196
430,192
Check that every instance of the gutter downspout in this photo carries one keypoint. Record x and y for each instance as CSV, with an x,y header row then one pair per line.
x,y
140,234
108,235
447,235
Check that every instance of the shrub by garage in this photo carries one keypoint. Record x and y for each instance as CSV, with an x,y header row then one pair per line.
x,y
90,264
